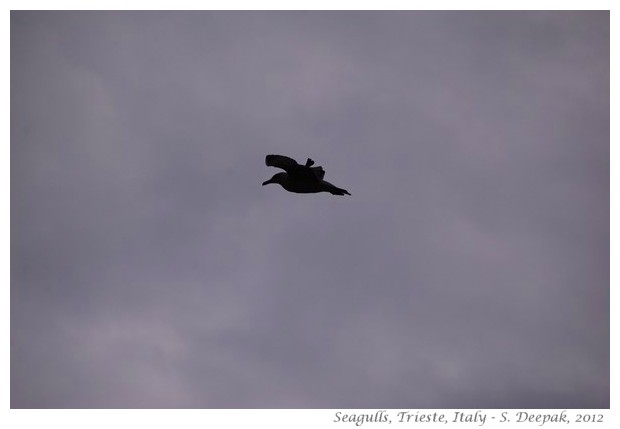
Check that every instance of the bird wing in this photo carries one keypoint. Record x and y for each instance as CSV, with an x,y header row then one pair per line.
x,y
281,161
318,172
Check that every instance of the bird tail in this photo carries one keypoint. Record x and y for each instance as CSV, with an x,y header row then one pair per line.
x,y
334,190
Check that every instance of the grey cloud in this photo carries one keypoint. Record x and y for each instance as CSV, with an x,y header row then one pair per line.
x,y
469,268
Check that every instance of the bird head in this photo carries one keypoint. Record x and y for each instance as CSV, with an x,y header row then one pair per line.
x,y
277,178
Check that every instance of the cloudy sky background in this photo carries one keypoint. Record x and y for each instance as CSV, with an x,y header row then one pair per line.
x,y
469,268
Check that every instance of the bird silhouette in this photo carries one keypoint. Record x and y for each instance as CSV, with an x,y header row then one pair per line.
x,y
302,179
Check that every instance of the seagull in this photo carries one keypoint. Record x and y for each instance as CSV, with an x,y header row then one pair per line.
x,y
303,179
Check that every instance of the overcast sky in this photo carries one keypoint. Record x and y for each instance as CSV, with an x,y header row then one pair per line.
x,y
469,268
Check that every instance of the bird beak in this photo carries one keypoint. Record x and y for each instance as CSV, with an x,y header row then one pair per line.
x,y
267,182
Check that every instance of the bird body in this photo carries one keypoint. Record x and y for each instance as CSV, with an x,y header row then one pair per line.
x,y
302,179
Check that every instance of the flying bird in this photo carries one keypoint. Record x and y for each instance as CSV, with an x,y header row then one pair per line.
x,y
303,179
